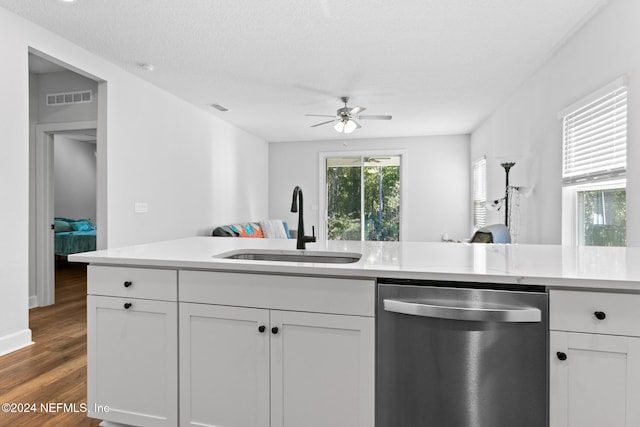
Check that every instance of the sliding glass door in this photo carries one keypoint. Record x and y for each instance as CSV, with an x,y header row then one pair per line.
x,y
363,197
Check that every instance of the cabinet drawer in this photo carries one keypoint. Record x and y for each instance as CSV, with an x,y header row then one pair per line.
x,y
132,282
595,312
313,294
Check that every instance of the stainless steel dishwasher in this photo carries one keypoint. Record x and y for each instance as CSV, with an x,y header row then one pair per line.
x,y
461,355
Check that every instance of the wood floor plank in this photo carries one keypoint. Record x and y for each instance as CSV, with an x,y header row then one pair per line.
x,y
54,369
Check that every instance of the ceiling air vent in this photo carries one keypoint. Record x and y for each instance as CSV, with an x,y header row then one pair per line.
x,y
69,98
219,107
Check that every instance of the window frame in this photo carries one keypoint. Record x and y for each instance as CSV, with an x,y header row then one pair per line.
x,y
322,190
478,164
570,206
604,180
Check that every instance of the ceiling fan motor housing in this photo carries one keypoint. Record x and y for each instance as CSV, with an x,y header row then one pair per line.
x,y
343,112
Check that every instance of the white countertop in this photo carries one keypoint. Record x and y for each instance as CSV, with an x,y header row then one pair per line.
x,y
548,265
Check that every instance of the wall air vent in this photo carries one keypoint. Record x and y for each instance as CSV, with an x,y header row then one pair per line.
x,y
67,98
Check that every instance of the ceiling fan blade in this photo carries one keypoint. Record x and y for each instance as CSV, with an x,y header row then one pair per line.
x,y
374,117
323,123
320,115
356,110
357,124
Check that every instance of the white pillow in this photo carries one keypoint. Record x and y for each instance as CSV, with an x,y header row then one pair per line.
x,y
273,229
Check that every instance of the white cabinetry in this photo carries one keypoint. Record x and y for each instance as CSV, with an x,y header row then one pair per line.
x,y
595,359
322,370
269,365
132,346
224,366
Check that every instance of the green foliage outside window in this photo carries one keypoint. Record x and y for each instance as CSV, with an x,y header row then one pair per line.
x,y
381,203
603,217
343,202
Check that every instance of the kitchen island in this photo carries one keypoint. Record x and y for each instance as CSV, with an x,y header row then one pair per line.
x,y
178,333
612,269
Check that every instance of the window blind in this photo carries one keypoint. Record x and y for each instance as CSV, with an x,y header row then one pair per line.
x,y
479,192
595,139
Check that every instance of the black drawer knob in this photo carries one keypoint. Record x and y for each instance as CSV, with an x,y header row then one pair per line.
x,y
561,356
127,305
262,328
274,330
600,315
127,284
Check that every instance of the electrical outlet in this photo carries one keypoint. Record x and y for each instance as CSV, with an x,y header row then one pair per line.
x,y
141,207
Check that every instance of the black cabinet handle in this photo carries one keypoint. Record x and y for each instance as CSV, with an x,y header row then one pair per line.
x,y
127,284
262,328
274,330
600,315
561,356
127,305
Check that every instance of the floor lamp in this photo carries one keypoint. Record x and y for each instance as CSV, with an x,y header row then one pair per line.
x,y
507,167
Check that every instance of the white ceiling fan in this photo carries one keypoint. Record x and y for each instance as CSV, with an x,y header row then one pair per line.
x,y
345,117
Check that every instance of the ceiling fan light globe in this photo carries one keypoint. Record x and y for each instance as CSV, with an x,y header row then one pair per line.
x,y
350,126
340,125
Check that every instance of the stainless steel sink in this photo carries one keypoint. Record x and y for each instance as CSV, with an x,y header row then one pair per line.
x,y
325,257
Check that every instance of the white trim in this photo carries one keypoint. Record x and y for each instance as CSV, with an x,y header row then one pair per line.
x,y
33,301
44,264
15,341
474,165
362,218
322,156
621,81
101,168
569,216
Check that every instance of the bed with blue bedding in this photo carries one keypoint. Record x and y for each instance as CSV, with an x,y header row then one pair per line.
x,y
73,236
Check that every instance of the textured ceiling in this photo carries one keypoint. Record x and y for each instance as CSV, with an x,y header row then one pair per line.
x,y
437,66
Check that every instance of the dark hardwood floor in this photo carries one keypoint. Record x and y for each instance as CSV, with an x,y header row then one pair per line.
x,y
54,369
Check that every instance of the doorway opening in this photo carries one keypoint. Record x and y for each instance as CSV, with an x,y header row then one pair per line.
x,y
67,169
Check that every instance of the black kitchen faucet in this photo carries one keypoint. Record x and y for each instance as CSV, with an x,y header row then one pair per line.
x,y
298,207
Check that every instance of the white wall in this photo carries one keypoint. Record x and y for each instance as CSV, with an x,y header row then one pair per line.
x,y
527,129
437,198
194,171
14,190
74,167
66,81
188,165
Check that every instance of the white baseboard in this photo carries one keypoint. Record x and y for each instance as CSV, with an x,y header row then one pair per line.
x,y
15,341
33,301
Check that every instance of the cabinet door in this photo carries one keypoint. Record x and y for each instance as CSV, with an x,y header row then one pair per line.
x,y
322,370
132,360
224,366
598,382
